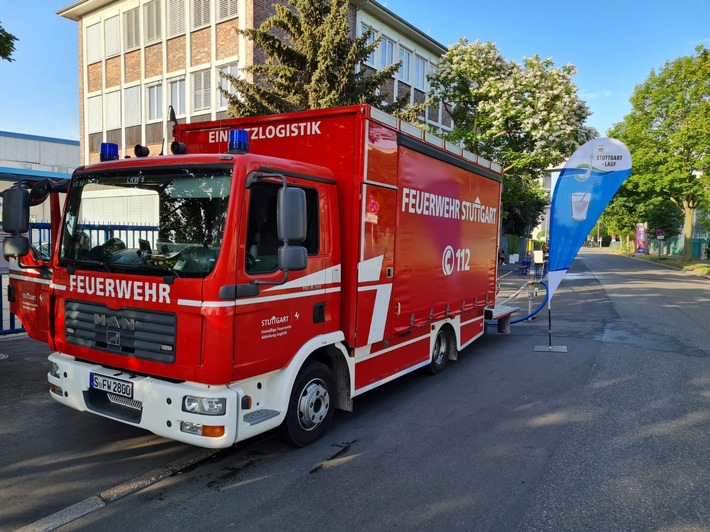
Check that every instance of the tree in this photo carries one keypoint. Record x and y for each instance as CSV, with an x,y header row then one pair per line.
x,y
7,44
311,62
526,116
668,134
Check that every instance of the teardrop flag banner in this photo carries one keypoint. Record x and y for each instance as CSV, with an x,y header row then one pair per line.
x,y
584,188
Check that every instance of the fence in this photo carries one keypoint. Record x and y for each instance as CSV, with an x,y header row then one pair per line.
x,y
40,236
675,246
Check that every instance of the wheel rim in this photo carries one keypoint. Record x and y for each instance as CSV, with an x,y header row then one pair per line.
x,y
440,349
314,404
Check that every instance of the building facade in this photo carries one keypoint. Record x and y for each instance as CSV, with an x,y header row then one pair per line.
x,y
138,57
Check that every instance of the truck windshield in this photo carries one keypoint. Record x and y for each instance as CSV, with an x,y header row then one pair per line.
x,y
147,221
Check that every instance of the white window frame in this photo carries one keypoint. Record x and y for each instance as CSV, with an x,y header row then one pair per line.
x,y
131,29
113,110
201,15
370,59
227,9
112,36
201,91
176,87
232,69
132,105
154,102
94,114
93,43
386,52
405,69
176,17
152,21
420,67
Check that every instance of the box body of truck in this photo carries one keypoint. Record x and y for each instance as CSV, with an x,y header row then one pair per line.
x,y
195,332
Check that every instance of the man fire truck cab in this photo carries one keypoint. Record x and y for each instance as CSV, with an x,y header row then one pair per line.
x,y
266,273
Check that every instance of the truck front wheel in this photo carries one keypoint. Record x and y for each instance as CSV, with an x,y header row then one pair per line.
x,y
310,408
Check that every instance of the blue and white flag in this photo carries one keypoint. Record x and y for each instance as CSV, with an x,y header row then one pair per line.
x,y
585,186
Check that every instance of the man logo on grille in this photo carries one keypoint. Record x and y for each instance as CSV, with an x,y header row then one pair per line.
x,y
112,322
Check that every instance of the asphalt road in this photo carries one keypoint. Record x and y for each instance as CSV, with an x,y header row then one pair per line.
x,y
610,435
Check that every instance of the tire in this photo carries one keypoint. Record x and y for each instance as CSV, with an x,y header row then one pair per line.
x,y
443,345
311,406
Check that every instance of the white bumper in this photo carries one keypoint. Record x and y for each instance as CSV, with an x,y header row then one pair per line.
x,y
156,405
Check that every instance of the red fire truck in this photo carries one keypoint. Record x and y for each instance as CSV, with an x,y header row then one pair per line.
x,y
285,265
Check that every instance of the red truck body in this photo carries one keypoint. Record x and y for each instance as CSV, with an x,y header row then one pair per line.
x,y
401,249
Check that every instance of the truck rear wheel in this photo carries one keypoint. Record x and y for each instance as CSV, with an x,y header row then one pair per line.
x,y
310,407
443,346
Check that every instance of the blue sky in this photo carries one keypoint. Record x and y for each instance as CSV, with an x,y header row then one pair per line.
x,y
613,44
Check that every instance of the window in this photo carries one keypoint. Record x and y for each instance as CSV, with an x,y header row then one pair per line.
x,y
262,238
232,70
113,110
200,13
132,99
154,101
112,36
94,121
227,9
152,21
370,60
201,91
131,29
419,72
177,96
176,17
406,57
386,52
93,43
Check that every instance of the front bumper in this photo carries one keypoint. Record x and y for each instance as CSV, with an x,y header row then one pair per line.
x,y
156,405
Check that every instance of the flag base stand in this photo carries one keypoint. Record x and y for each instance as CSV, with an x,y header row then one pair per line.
x,y
551,348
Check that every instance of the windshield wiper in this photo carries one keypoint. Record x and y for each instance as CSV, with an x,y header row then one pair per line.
x,y
73,263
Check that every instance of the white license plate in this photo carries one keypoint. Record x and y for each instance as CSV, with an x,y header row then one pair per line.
x,y
111,385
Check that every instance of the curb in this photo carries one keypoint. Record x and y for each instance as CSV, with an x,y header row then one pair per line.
x,y
87,506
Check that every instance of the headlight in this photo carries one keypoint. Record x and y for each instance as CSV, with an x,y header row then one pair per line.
x,y
54,370
209,406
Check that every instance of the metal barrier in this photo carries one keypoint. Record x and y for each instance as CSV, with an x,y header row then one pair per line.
x,y
40,237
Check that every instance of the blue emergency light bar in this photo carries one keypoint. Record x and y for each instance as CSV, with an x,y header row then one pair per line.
x,y
238,141
109,151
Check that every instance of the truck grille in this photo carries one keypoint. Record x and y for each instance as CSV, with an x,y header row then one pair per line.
x,y
125,331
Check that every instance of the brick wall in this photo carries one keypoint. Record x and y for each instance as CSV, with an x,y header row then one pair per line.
x,y
113,72
95,77
132,66
154,60
227,39
176,53
201,46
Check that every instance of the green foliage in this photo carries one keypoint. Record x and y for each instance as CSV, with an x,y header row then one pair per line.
x,y
526,116
524,204
7,44
310,63
668,134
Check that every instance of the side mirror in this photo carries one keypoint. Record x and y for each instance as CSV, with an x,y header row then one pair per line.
x,y
16,210
15,246
293,258
292,214
40,192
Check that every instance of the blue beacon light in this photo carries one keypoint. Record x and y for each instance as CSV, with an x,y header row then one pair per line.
x,y
238,141
109,151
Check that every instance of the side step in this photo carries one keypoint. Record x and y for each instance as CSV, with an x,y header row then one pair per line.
x,y
501,314
259,416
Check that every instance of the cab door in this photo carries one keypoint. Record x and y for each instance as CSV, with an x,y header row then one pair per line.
x,y
274,323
